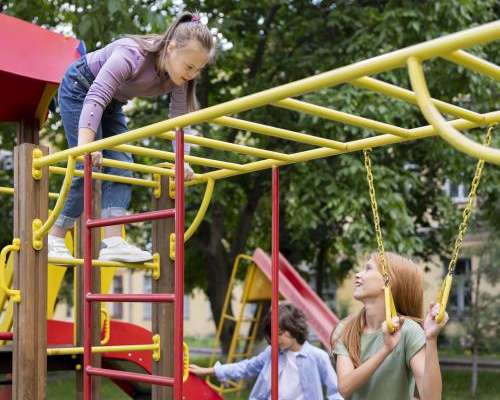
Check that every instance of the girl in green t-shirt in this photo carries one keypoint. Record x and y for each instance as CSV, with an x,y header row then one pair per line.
x,y
373,364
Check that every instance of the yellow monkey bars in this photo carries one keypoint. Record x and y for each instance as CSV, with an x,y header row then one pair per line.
x,y
447,46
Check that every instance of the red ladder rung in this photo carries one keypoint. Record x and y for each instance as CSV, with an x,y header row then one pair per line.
x,y
139,298
132,376
127,219
6,336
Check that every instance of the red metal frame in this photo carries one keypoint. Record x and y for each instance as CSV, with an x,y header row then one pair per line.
x,y
275,284
176,297
179,265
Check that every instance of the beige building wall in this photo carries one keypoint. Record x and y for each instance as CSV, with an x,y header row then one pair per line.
x,y
198,320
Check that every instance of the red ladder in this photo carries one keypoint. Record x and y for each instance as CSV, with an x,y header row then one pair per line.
x,y
176,297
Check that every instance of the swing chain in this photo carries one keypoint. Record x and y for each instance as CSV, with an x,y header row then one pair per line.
x,y
376,218
468,209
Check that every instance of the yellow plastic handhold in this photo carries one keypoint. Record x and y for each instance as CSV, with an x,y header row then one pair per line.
x,y
390,309
172,246
157,189
444,294
157,349
156,266
36,172
171,188
37,240
106,323
185,372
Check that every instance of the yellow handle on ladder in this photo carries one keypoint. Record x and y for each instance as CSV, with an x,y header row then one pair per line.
x,y
185,372
106,323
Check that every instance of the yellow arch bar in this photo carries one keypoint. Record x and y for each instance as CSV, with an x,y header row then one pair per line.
x,y
201,211
444,129
40,228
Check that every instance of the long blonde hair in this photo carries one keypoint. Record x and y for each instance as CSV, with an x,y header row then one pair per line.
x,y
406,280
187,26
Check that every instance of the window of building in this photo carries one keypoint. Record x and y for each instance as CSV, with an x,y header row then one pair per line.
x,y
186,306
147,307
146,310
461,295
117,309
457,191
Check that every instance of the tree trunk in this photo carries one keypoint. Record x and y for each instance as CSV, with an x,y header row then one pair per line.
x,y
320,269
473,385
218,273
476,332
220,261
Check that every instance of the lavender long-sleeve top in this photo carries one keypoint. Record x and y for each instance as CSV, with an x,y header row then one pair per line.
x,y
123,71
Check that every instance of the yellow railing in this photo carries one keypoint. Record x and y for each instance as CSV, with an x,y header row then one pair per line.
x,y
12,293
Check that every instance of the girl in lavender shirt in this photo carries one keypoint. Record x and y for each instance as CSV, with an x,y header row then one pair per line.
x,y
91,97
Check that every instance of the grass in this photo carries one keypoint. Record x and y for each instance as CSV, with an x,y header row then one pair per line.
x,y
456,386
204,342
61,386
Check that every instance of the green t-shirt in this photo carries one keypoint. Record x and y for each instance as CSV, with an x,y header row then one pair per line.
x,y
393,379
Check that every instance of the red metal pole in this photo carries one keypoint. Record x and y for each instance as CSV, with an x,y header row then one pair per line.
x,y
275,284
87,277
179,264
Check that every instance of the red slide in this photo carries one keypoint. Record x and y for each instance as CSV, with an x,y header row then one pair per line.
x,y
60,333
296,290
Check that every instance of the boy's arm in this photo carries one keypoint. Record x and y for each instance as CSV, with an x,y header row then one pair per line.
x,y
246,369
329,378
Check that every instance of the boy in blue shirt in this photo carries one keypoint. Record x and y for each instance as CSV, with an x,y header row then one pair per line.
x,y
303,369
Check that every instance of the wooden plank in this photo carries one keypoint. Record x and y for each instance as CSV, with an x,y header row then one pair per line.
x,y
30,276
163,314
96,306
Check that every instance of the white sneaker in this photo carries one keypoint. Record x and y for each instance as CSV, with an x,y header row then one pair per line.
x,y
117,249
57,248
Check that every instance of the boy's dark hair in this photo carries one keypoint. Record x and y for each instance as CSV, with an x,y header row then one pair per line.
x,y
290,319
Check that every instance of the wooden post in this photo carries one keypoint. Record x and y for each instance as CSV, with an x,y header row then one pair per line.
x,y
27,131
29,358
96,288
163,313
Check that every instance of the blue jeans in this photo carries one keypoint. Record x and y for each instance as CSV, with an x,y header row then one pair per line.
x,y
115,196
